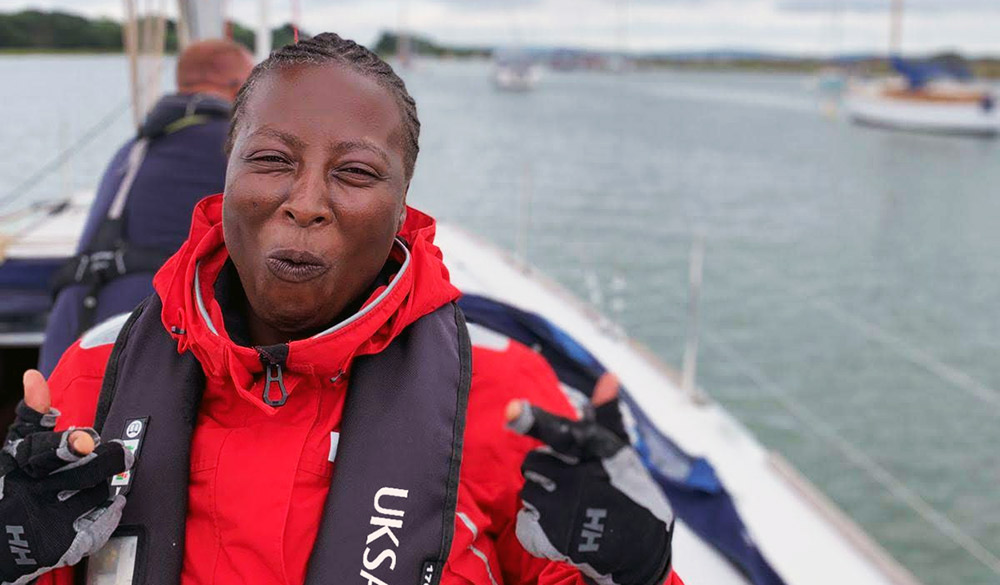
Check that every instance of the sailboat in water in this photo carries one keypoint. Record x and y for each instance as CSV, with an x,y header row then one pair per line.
x,y
745,516
515,70
936,96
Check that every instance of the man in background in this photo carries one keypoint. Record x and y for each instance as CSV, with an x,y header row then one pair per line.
x,y
143,206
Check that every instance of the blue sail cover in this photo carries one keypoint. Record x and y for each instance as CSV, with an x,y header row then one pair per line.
x,y
24,286
919,73
690,483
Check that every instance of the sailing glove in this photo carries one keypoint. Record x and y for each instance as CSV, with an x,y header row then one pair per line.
x,y
54,503
589,501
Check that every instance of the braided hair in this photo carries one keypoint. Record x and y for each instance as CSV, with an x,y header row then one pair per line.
x,y
328,48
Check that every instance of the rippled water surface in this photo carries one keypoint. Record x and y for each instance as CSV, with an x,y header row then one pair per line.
x,y
851,300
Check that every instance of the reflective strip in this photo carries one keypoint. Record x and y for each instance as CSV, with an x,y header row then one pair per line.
x,y
105,332
135,157
334,443
200,302
379,299
479,554
388,289
469,524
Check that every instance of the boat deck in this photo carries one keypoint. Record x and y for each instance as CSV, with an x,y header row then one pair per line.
x,y
804,536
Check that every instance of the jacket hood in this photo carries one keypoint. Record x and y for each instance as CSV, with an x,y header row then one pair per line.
x,y
193,316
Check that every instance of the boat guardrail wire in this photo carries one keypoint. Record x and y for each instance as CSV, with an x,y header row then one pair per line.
x,y
43,172
817,426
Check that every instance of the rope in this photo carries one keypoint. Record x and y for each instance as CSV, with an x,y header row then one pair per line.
x,y
876,471
38,176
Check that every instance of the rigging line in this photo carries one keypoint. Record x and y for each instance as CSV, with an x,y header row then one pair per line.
x,y
902,348
876,471
38,176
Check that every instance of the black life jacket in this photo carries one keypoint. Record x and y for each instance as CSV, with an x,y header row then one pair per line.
x,y
108,255
398,459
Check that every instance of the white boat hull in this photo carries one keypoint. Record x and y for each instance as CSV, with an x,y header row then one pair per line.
x,y
511,78
873,108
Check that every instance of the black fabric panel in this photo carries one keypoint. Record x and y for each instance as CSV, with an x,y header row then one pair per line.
x,y
148,378
108,384
402,428
233,302
458,435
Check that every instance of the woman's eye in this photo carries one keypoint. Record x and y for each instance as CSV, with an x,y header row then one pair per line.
x,y
269,158
360,176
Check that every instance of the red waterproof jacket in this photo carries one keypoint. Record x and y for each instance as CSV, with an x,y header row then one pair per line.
x,y
260,475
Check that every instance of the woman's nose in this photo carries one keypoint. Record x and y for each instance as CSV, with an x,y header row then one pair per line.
x,y
308,202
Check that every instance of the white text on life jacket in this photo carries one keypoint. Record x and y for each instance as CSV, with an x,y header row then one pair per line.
x,y
390,519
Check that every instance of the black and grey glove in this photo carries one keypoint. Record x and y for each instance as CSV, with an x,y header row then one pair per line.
x,y
54,503
589,501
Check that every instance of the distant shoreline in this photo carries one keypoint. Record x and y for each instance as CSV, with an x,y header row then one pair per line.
x,y
56,51
37,32
989,71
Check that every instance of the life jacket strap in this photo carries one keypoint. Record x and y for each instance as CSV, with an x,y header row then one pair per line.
x,y
98,268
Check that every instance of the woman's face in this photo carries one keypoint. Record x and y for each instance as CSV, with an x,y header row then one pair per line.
x,y
315,192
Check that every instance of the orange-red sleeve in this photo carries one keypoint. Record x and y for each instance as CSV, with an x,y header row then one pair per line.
x,y
504,370
75,384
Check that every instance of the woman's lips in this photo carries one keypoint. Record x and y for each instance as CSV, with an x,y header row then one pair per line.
x,y
293,265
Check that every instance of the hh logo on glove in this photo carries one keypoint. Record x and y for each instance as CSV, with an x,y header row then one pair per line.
x,y
55,503
587,498
19,547
592,530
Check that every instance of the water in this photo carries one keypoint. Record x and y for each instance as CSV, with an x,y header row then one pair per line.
x,y
853,271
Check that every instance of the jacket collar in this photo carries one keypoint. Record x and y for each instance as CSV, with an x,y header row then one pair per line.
x,y
193,316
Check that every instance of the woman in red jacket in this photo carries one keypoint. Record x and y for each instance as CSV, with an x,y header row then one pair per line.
x,y
301,399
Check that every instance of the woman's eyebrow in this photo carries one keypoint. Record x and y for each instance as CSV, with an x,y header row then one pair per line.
x,y
345,146
289,139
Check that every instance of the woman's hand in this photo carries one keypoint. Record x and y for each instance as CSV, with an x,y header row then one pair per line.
x,y
54,491
587,498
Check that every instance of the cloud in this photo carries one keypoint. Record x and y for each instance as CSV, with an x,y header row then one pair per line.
x,y
488,4
868,6
639,25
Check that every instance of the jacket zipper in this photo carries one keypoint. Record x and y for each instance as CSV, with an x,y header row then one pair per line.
x,y
273,357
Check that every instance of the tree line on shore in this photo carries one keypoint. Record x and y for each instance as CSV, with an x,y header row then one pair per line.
x,y
53,31
45,31
38,30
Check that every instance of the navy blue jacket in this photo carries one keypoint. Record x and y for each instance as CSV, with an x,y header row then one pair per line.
x,y
180,168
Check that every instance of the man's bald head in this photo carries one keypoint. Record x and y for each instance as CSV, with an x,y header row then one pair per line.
x,y
218,67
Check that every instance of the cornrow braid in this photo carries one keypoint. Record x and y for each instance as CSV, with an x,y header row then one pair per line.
x,y
331,48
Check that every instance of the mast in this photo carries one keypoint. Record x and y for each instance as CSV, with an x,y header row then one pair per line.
x,y
200,20
143,37
896,29
403,43
262,44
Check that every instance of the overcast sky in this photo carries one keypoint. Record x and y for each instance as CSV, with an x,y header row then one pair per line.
x,y
805,26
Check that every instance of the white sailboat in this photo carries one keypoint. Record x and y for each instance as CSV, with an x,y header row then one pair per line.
x,y
513,74
804,538
925,97
514,68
